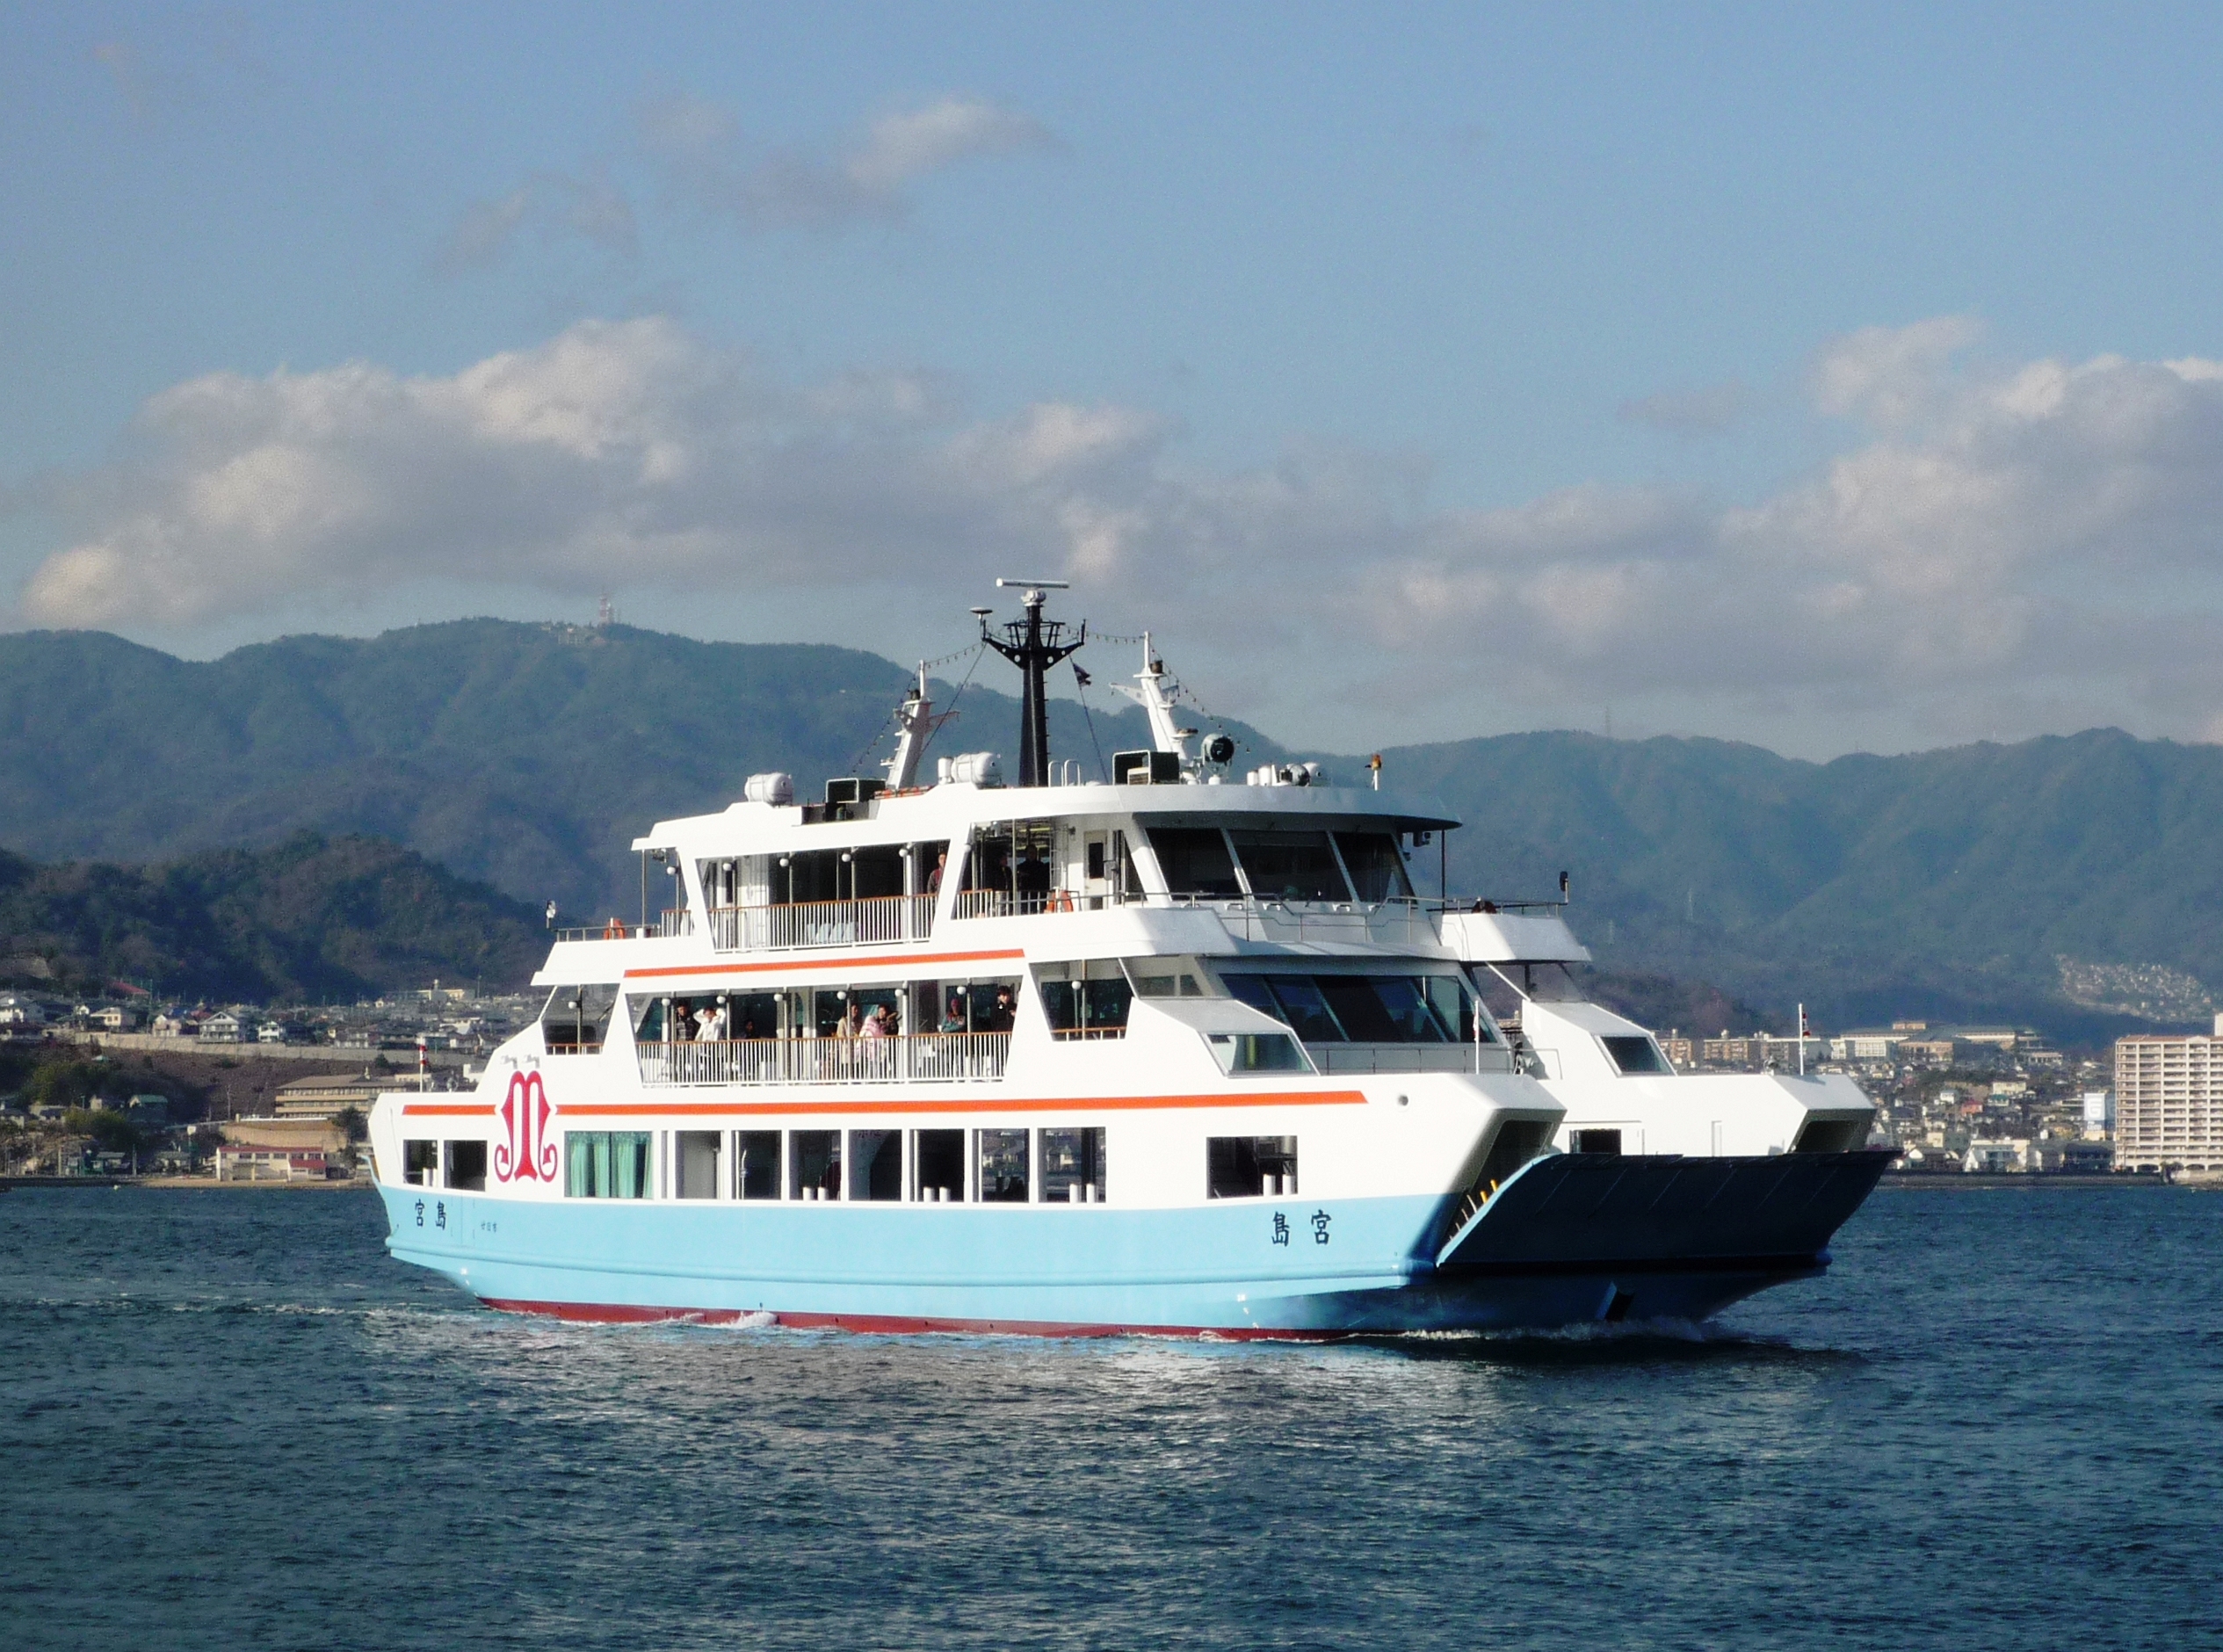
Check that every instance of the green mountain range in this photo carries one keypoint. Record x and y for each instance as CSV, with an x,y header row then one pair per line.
x,y
306,920
2068,883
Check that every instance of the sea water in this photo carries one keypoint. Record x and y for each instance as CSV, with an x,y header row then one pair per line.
x,y
231,1421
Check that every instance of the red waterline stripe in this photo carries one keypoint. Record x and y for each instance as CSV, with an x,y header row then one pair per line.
x,y
891,1324
1063,1104
870,964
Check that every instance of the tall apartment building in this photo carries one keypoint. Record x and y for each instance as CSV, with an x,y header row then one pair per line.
x,y
2169,1101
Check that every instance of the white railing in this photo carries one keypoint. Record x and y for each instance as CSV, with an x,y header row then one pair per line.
x,y
1005,903
673,920
875,921
911,1058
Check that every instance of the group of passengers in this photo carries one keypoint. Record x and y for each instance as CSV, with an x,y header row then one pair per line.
x,y
711,1023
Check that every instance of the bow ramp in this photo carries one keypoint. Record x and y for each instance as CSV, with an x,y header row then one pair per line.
x,y
1592,1212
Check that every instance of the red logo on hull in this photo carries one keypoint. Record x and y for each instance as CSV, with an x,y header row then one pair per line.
x,y
528,1155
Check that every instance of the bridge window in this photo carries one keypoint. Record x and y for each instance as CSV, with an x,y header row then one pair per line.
x,y
695,1161
758,1162
1194,860
606,1164
1364,1009
1250,1167
815,1164
1004,1166
575,1019
878,1157
1073,1167
1289,865
937,1158
1167,978
421,1163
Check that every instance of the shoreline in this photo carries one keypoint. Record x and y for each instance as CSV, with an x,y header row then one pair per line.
x,y
12,1184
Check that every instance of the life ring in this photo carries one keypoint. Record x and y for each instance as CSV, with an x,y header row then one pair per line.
x,y
1061,900
613,930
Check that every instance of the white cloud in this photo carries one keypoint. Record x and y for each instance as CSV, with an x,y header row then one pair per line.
x,y
2041,542
864,177
591,207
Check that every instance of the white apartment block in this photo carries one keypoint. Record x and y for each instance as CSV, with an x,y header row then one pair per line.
x,y
2169,1102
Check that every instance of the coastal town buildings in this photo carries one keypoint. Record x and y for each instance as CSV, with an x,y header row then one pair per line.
x,y
2169,1101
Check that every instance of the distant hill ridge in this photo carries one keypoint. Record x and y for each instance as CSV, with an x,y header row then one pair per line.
x,y
309,919
1955,882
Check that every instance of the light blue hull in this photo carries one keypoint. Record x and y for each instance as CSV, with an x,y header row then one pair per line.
x,y
1245,1268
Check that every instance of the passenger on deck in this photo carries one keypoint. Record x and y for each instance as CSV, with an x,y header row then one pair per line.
x,y
1005,1012
933,877
683,1019
876,1024
712,1028
954,1021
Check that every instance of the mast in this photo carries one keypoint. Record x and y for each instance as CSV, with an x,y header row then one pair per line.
x,y
1165,734
1034,645
916,719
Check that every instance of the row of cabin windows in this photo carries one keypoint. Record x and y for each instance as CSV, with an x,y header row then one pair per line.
x,y
1086,998
1052,1165
1023,859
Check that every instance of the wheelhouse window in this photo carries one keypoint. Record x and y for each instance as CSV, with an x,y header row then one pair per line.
x,y
1337,1008
421,1163
1289,865
938,1162
756,1164
466,1163
1635,1053
1376,864
575,1019
1240,1053
1073,1167
1542,983
878,1157
815,1164
1250,1167
606,1164
1002,1167
1087,999
1194,860
1011,866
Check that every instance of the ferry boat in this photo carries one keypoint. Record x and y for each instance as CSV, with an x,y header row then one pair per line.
x,y
1179,1051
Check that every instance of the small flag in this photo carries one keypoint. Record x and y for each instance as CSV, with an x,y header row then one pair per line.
x,y
1080,676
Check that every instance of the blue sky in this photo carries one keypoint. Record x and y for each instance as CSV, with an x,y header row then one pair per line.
x,y
1838,381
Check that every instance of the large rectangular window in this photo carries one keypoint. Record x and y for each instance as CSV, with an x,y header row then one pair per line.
x,y
606,1164
695,1163
467,1166
421,1163
877,1160
1250,1167
1194,860
938,1166
1073,1167
1004,1166
1289,865
757,1158
1376,864
815,1164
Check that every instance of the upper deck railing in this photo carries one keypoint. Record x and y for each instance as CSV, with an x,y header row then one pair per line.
x,y
874,921
675,920
895,1059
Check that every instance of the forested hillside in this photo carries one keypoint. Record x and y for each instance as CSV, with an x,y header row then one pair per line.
x,y
1969,882
306,920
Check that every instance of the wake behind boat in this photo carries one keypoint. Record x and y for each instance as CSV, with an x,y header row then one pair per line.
x,y
1179,1051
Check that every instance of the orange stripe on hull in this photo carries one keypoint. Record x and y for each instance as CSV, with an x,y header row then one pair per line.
x,y
871,965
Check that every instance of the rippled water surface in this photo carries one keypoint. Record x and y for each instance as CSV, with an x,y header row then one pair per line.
x,y
231,1421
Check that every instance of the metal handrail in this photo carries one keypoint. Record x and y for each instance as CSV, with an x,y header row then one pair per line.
x,y
873,920
904,1058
